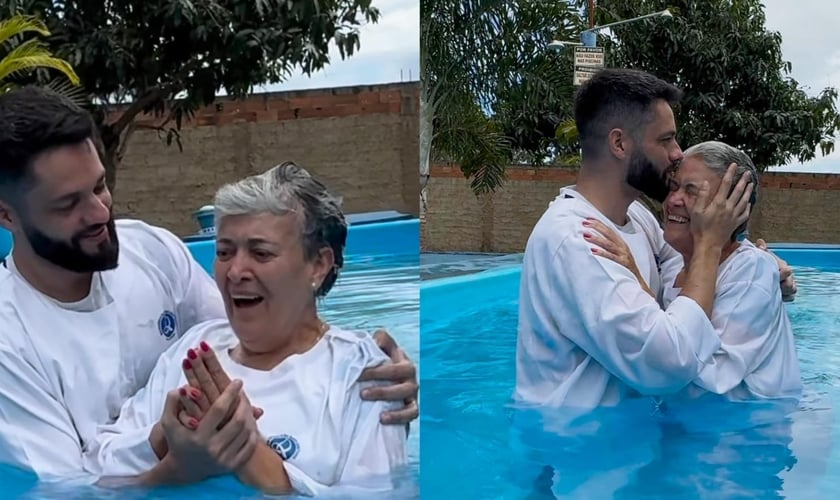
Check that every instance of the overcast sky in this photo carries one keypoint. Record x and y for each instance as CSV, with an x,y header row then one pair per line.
x,y
390,53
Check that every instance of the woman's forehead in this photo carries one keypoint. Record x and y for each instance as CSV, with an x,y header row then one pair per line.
x,y
693,168
263,226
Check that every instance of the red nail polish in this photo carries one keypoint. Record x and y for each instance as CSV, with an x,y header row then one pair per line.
x,y
587,235
193,423
182,391
204,346
593,250
191,354
195,394
187,364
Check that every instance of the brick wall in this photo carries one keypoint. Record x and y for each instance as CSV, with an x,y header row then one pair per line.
x,y
361,141
803,208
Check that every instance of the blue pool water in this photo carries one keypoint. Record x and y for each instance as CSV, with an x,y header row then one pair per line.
x,y
379,288
485,448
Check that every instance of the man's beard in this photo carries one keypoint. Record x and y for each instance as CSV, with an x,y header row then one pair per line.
x,y
70,255
643,175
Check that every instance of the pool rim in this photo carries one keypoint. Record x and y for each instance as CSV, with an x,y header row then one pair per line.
x,y
431,284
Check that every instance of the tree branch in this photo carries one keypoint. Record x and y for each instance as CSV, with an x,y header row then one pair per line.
x,y
150,97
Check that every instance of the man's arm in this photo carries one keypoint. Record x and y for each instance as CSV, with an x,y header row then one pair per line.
x,y
611,318
36,430
134,444
787,282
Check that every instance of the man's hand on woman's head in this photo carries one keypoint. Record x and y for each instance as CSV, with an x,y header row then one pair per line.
x,y
402,373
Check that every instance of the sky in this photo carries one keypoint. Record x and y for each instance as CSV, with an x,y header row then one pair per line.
x,y
389,53
811,42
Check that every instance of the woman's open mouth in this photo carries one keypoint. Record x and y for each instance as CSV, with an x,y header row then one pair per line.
x,y
244,301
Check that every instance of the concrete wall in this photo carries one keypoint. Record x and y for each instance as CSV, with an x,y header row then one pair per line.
x,y
802,208
361,141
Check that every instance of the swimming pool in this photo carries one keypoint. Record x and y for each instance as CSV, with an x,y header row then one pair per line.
x,y
379,288
484,448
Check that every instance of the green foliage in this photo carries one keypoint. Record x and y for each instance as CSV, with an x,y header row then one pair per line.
x,y
732,71
494,88
23,57
150,53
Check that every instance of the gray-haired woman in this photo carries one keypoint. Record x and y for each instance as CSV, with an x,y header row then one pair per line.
x,y
757,358
280,242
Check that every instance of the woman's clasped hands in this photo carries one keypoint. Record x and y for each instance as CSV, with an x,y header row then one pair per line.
x,y
208,426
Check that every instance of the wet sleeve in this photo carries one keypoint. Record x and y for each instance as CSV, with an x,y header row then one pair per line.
x,y
36,430
370,452
753,333
374,453
123,449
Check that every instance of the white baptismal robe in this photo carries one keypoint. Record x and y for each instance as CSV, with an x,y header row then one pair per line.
x,y
314,415
588,334
757,358
66,368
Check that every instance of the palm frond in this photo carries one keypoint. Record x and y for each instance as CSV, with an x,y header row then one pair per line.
x,y
20,24
567,132
33,54
70,91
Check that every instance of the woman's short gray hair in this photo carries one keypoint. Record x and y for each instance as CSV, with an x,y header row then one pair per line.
x,y
718,156
285,189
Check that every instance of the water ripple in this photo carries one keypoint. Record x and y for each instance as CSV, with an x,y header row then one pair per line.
x,y
483,448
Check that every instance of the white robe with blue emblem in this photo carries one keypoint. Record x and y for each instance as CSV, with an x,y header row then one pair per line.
x,y
66,368
314,415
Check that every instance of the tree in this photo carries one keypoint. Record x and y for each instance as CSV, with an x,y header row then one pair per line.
x,y
150,53
491,89
733,74
24,57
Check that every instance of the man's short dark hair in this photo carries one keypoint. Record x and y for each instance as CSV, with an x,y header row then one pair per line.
x,y
34,120
617,98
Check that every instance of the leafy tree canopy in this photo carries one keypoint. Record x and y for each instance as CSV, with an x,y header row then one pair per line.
x,y
150,52
731,68
492,92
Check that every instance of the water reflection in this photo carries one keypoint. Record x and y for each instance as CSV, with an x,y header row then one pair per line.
x,y
703,449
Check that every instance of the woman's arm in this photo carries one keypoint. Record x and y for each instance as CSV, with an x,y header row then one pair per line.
x,y
755,333
375,450
266,471
610,245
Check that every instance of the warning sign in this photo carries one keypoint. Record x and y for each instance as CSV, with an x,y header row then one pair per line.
x,y
588,61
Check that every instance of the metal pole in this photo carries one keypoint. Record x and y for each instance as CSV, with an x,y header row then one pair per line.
x,y
589,38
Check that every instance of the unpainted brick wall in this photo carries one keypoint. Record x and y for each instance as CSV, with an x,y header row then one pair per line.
x,y
802,208
361,141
